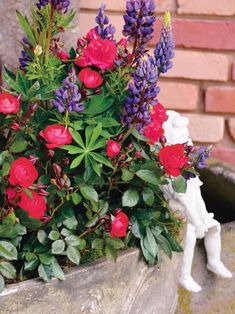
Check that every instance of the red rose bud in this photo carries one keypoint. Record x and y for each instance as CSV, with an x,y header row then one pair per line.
x,y
33,108
130,146
9,104
23,173
33,159
43,192
100,53
90,78
138,154
120,137
46,219
113,149
163,140
11,194
51,153
153,131
15,126
57,169
173,159
62,55
35,205
117,210
56,135
66,161
119,225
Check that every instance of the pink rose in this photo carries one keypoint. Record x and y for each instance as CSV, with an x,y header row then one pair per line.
x,y
90,78
113,149
56,135
23,173
9,104
35,205
119,225
64,56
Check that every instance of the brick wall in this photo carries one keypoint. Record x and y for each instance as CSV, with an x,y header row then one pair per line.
x,y
202,82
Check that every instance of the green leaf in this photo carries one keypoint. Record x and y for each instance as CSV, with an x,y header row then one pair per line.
x,y
72,150
152,242
71,223
11,231
65,232
101,159
44,272
8,250
149,258
77,138
95,166
2,284
165,245
96,133
148,196
76,198
97,244
54,235
32,265
46,259
115,242
148,176
18,146
179,184
73,240
130,198
175,246
127,175
110,253
97,105
27,221
89,193
6,168
73,254
139,136
27,28
57,271
92,222
42,236
76,162
58,247
7,270
107,122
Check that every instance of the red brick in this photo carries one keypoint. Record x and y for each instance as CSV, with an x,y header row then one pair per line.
x,y
208,7
179,96
120,5
233,71
200,66
204,34
205,128
224,153
220,99
231,126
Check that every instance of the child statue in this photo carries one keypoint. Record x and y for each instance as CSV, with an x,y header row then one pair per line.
x,y
201,224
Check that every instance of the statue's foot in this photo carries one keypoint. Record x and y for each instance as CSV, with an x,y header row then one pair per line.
x,y
219,269
189,284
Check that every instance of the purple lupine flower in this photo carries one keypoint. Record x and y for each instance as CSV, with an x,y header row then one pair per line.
x,y
142,94
105,32
164,51
25,58
68,96
139,20
201,156
59,5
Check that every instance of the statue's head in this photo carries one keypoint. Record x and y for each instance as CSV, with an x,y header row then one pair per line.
x,y
176,128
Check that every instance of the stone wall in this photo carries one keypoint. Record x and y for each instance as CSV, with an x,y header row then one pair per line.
x,y
128,286
201,83
11,33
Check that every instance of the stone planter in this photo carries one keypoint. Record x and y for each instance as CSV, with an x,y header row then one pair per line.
x,y
128,286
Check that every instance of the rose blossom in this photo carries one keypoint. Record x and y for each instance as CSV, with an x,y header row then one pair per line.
x,y
9,104
56,135
64,56
159,113
90,78
92,34
113,148
119,225
173,159
99,52
23,172
11,194
35,205
153,131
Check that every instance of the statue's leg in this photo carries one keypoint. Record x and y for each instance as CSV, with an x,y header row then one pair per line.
x,y
185,278
213,250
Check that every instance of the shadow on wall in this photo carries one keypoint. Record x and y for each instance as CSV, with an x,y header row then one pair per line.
x,y
218,190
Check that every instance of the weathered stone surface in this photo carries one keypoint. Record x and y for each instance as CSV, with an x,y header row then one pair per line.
x,y
11,33
217,295
226,154
129,287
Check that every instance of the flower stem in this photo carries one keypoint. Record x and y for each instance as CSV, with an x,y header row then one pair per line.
x,y
49,35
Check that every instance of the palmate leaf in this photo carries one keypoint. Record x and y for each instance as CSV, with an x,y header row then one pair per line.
x,y
100,158
94,165
76,162
27,28
72,150
96,133
77,138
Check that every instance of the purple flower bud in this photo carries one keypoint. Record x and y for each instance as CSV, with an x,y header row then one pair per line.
x,y
102,20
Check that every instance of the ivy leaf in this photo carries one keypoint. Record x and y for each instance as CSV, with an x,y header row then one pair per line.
x,y
148,176
7,270
8,250
54,235
58,247
73,254
148,196
44,272
42,236
179,184
89,193
130,198
57,271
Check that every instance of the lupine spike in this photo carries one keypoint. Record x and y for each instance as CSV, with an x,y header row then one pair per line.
x,y
59,5
102,20
167,19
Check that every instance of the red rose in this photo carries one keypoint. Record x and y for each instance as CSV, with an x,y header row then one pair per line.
x,y
173,159
119,225
11,194
56,135
35,205
23,173
101,53
113,148
90,78
123,42
159,113
82,61
153,131
92,34
9,104
64,56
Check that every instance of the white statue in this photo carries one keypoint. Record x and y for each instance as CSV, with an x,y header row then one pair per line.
x,y
201,224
